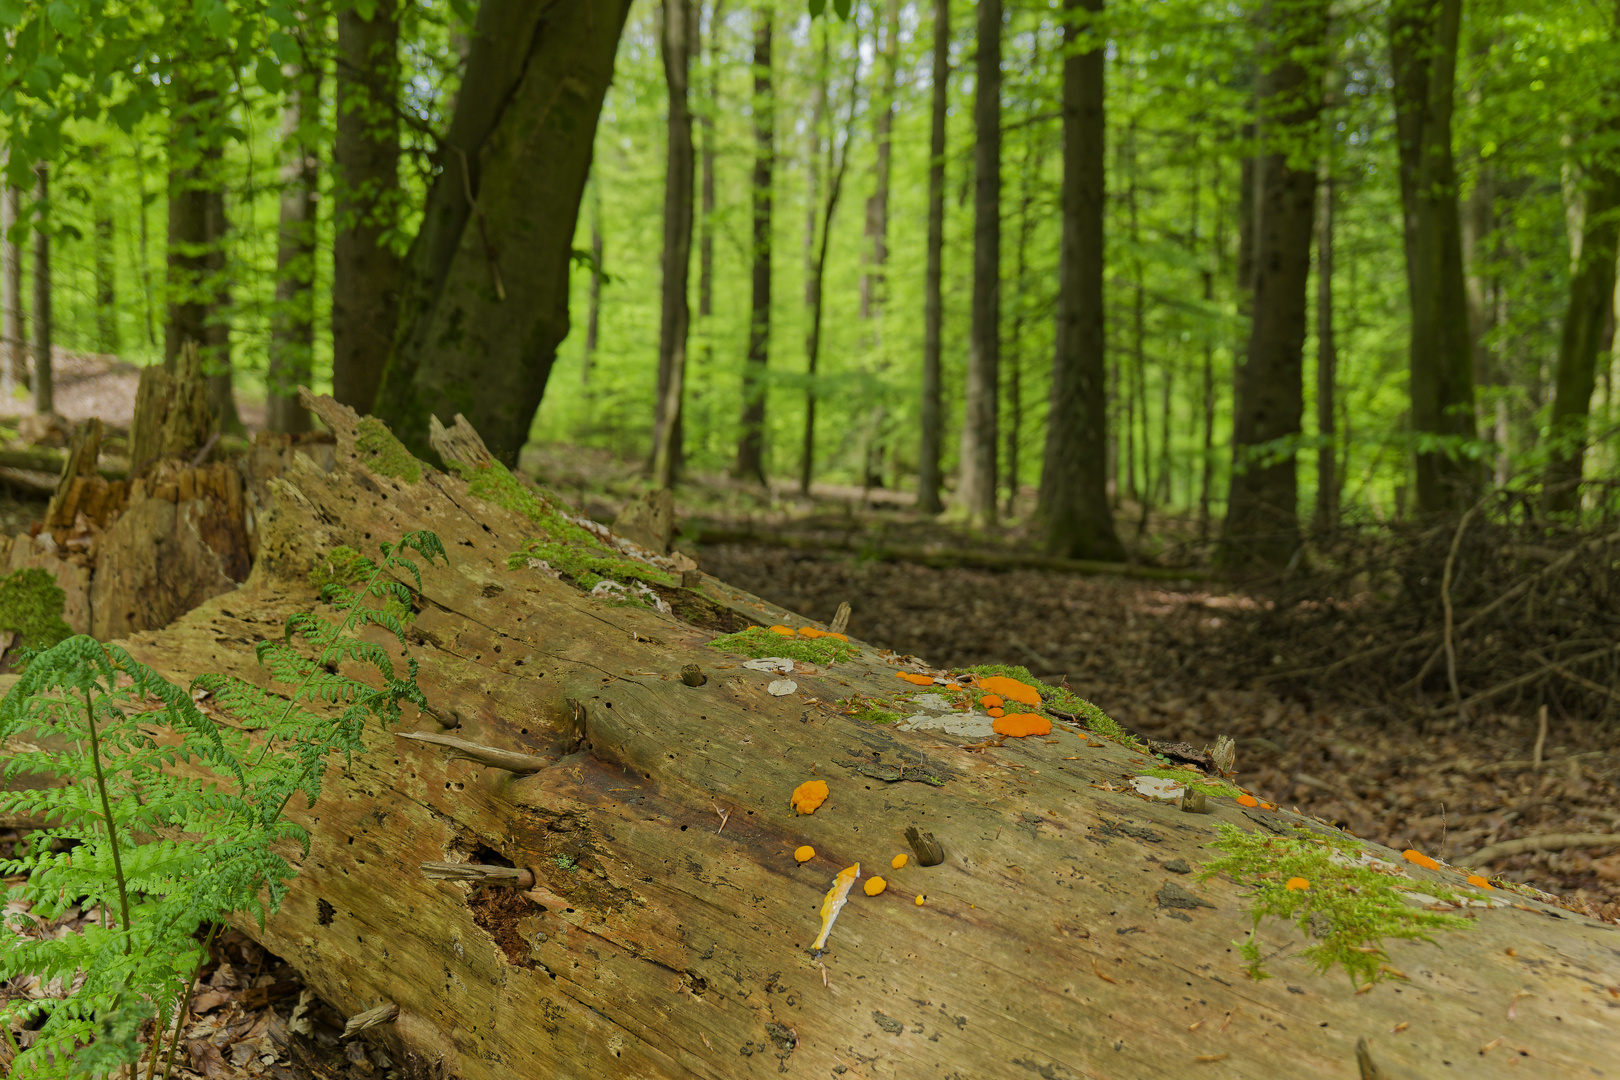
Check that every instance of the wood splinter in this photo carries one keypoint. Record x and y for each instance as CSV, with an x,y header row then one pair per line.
x,y
385,1013
840,621
930,852
461,750
514,877
1364,1061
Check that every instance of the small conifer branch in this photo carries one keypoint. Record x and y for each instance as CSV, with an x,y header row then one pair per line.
x,y
479,874
461,750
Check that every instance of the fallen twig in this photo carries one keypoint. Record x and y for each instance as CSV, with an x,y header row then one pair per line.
x,y
1549,842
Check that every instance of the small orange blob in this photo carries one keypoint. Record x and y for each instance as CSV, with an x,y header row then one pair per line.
x,y
998,712
1247,800
874,886
840,637
919,680
1267,806
899,860
953,686
809,795
1296,884
1011,689
785,631
1420,859
805,853
991,701
811,632
920,899
1475,879
1019,725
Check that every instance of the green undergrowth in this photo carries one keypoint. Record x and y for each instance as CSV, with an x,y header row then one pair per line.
x,y
342,568
383,453
1195,781
1350,910
31,604
757,642
1095,720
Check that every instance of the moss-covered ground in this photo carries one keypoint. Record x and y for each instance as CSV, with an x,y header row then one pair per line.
x,y
757,642
31,604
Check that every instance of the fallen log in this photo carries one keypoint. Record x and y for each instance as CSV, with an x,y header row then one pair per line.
x,y
1063,933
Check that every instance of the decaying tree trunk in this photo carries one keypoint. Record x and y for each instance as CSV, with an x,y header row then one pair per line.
x,y
582,865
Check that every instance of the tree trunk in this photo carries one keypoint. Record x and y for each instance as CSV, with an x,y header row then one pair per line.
x,y
593,297
366,200
1262,515
668,928
812,266
485,287
750,463
217,320
874,280
976,487
44,398
1076,520
187,255
1423,51
1590,314
1327,360
105,227
933,411
706,222
12,327
679,42
292,326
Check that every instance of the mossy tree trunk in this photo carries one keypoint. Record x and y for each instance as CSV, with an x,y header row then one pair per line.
x,y
663,926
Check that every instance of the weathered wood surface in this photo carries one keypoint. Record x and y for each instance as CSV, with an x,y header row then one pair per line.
x,y
666,934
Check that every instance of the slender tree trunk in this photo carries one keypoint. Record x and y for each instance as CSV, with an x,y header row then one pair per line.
x,y
1138,376
932,412
977,486
106,264
187,256
217,319
679,42
366,200
1075,518
44,401
1589,317
593,301
750,463
484,295
11,291
1327,358
706,221
292,326
1423,46
1034,157
874,280
812,267
1262,516
145,248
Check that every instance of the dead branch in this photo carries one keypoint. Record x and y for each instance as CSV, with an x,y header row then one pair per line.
x,y
461,750
1549,842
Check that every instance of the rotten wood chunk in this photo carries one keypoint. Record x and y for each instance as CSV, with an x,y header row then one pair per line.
x,y
462,750
691,579
692,675
512,877
385,1013
929,852
1193,802
841,619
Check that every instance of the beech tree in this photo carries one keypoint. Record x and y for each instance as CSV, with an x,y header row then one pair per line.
x,y
750,464
976,489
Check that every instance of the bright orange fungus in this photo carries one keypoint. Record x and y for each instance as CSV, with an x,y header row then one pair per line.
x,y
920,900
811,632
998,712
1420,859
1022,724
1247,800
991,701
1295,884
809,795
785,631
920,680
1011,689
805,853
1475,879
899,860
840,637
874,886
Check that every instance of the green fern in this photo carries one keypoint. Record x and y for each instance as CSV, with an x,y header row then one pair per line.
x,y
154,854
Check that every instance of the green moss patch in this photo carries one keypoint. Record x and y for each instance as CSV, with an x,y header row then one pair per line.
x,y
1095,720
494,483
756,642
31,604
586,569
342,566
1195,781
382,453
873,712
1349,909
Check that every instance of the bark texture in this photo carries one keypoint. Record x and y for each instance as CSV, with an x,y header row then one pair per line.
x,y
485,292
1590,314
1327,362
666,930
44,398
750,464
187,248
1423,50
1073,507
1262,516
976,484
679,42
366,198
929,478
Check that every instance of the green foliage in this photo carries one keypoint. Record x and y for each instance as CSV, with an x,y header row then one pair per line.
x,y
1349,908
31,606
154,852
758,642
565,862
873,712
383,453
